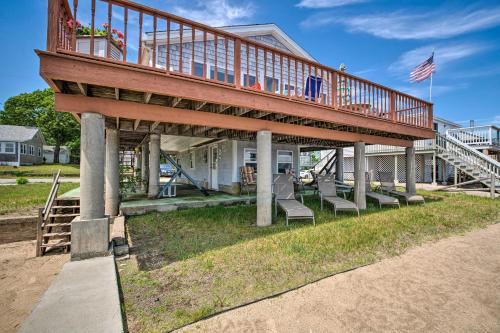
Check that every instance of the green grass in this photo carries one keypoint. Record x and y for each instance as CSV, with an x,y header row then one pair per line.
x,y
42,170
192,263
25,199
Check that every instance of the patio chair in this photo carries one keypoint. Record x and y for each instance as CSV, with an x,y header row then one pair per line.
x,y
328,192
284,198
248,178
382,199
388,185
313,87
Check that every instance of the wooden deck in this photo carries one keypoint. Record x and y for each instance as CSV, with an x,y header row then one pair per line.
x,y
176,91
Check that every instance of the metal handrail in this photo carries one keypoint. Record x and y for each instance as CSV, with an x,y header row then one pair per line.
x,y
52,196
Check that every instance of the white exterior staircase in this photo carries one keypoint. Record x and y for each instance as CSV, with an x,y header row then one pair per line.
x,y
469,160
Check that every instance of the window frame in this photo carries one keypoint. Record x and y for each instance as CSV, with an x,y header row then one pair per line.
x,y
278,160
249,162
3,147
192,159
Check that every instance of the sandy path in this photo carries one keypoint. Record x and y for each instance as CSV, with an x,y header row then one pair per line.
x,y
449,286
23,279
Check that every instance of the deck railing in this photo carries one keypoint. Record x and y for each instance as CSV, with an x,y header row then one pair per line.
x,y
420,145
167,43
478,136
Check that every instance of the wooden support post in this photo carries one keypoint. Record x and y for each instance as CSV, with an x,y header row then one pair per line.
x,y
237,63
39,233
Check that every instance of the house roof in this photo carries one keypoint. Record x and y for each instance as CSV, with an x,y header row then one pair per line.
x,y
51,148
17,133
268,29
243,31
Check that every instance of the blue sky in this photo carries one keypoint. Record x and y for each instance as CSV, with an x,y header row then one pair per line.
x,y
377,40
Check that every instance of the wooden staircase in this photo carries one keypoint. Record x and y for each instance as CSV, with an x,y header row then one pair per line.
x,y
54,221
475,164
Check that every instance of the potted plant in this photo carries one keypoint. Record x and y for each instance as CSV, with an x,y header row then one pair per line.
x,y
83,35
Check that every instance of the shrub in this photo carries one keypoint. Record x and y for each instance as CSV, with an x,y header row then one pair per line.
x,y
21,180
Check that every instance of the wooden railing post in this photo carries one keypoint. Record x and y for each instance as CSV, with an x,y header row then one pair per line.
x,y
430,116
54,6
237,63
393,107
39,232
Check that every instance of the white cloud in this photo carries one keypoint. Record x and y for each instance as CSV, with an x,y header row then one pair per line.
x,y
327,3
442,23
421,90
214,12
443,55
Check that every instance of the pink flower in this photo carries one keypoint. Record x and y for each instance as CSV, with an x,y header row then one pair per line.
x,y
113,30
119,34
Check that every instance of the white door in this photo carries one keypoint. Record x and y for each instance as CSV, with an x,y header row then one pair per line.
x,y
214,160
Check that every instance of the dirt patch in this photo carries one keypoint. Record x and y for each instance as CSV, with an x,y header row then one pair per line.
x,y
23,280
449,286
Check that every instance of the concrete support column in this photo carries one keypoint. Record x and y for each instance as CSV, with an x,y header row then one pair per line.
x,y
264,179
90,230
112,192
359,175
145,166
410,171
154,165
339,164
92,166
137,163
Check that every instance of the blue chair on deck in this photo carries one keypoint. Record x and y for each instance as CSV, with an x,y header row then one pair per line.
x,y
313,88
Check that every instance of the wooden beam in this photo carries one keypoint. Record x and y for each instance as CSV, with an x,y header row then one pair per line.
x,y
199,105
73,68
117,94
117,123
112,108
83,88
176,101
136,124
154,125
77,117
147,97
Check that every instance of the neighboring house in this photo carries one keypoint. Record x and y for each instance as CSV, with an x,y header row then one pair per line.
x,y
485,139
20,145
64,154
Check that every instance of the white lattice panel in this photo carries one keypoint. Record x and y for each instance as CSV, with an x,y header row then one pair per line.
x,y
348,168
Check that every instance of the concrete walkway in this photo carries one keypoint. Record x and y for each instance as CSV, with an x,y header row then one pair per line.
x,y
83,298
449,286
12,181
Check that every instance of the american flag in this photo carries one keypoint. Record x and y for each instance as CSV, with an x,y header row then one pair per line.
x,y
424,70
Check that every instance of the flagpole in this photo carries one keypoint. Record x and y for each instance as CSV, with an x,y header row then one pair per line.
x,y
430,90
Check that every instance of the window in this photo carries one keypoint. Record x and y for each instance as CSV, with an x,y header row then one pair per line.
x,y
250,158
191,160
7,147
285,160
436,126
221,74
198,69
23,148
32,150
39,152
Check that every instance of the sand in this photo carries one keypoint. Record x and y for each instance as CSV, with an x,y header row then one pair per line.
x,y
452,285
23,280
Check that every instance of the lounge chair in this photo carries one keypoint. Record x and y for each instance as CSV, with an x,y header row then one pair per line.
x,y
388,185
328,192
382,199
284,198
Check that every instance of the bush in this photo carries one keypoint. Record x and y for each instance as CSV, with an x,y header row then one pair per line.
x,y
21,180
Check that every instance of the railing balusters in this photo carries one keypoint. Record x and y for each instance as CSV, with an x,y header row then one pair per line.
x,y
193,37
108,44
181,47
289,75
205,54
265,70
256,67
74,25
225,60
139,55
167,64
154,41
125,29
92,28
